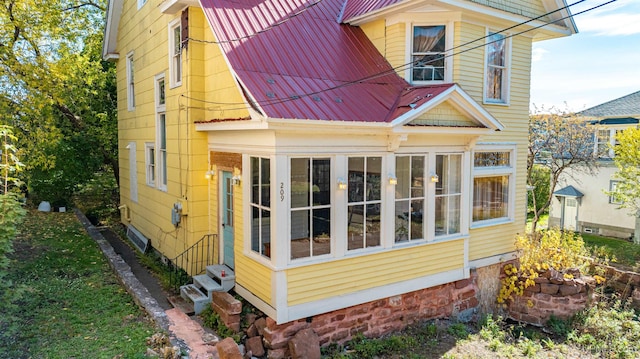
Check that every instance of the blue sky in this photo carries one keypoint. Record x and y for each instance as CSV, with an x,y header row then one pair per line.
x,y
600,63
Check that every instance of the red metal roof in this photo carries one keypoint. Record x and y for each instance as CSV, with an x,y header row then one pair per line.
x,y
354,8
307,66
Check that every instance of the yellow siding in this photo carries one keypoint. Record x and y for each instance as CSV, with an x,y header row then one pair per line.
x,y
375,32
251,275
350,275
443,115
519,7
396,46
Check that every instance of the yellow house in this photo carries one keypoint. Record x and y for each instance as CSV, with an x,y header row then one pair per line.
x,y
340,152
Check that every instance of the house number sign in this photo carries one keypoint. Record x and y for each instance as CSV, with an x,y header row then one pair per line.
x,y
281,191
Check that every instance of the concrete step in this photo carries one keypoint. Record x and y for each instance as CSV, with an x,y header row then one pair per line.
x,y
223,275
206,283
191,293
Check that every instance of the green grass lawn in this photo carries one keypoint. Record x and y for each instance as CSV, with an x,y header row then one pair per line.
x,y
627,253
70,304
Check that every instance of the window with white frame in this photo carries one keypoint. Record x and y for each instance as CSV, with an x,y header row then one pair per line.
x,y
613,199
310,187
492,184
497,74
161,96
260,205
428,53
131,93
161,126
448,169
603,138
175,53
410,198
364,202
150,163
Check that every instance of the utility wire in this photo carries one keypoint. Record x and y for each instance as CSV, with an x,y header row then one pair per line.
x,y
400,67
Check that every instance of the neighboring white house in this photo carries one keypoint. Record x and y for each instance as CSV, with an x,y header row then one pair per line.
x,y
580,202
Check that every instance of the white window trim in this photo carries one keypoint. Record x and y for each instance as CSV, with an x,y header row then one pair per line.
x,y
161,169
131,99
506,90
612,187
160,107
150,173
494,171
173,82
448,60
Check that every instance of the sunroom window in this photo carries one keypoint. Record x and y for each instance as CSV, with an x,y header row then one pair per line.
x,y
310,207
493,172
448,194
410,198
261,206
428,53
364,202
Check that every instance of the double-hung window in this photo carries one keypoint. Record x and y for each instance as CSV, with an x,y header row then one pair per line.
x,y
310,207
448,170
162,150
261,206
428,53
150,160
175,53
131,93
613,199
492,186
497,74
364,202
603,138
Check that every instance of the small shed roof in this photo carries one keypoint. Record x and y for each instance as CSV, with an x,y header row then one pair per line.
x,y
568,191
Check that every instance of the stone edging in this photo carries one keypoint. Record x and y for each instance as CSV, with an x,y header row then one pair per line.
x,y
136,289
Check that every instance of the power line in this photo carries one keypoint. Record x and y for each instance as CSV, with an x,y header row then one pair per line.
x,y
400,67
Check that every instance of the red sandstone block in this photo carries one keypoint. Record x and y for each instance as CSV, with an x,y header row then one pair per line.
x,y
359,329
262,323
295,327
395,301
280,353
339,336
462,283
379,303
467,294
569,290
274,339
305,345
232,321
560,300
270,323
228,349
227,302
255,346
533,289
547,288
541,280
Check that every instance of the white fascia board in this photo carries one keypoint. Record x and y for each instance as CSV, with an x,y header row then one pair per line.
x,y
233,125
114,12
172,7
364,296
461,101
567,29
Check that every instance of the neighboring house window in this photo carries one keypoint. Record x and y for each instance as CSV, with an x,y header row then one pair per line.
x,y
448,194
496,77
150,163
162,150
613,186
410,198
603,138
131,93
492,182
175,53
261,206
310,207
364,202
428,53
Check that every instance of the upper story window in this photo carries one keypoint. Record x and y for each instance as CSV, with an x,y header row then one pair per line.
x,y
161,96
492,185
428,53
175,53
310,207
260,205
131,93
364,202
497,74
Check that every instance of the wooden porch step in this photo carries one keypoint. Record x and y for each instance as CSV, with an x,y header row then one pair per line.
x,y
191,293
209,285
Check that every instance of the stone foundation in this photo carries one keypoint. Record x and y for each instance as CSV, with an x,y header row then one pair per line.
x,y
625,283
380,317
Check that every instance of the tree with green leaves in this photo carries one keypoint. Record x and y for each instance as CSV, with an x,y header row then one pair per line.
x,y
627,159
58,93
557,141
10,165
